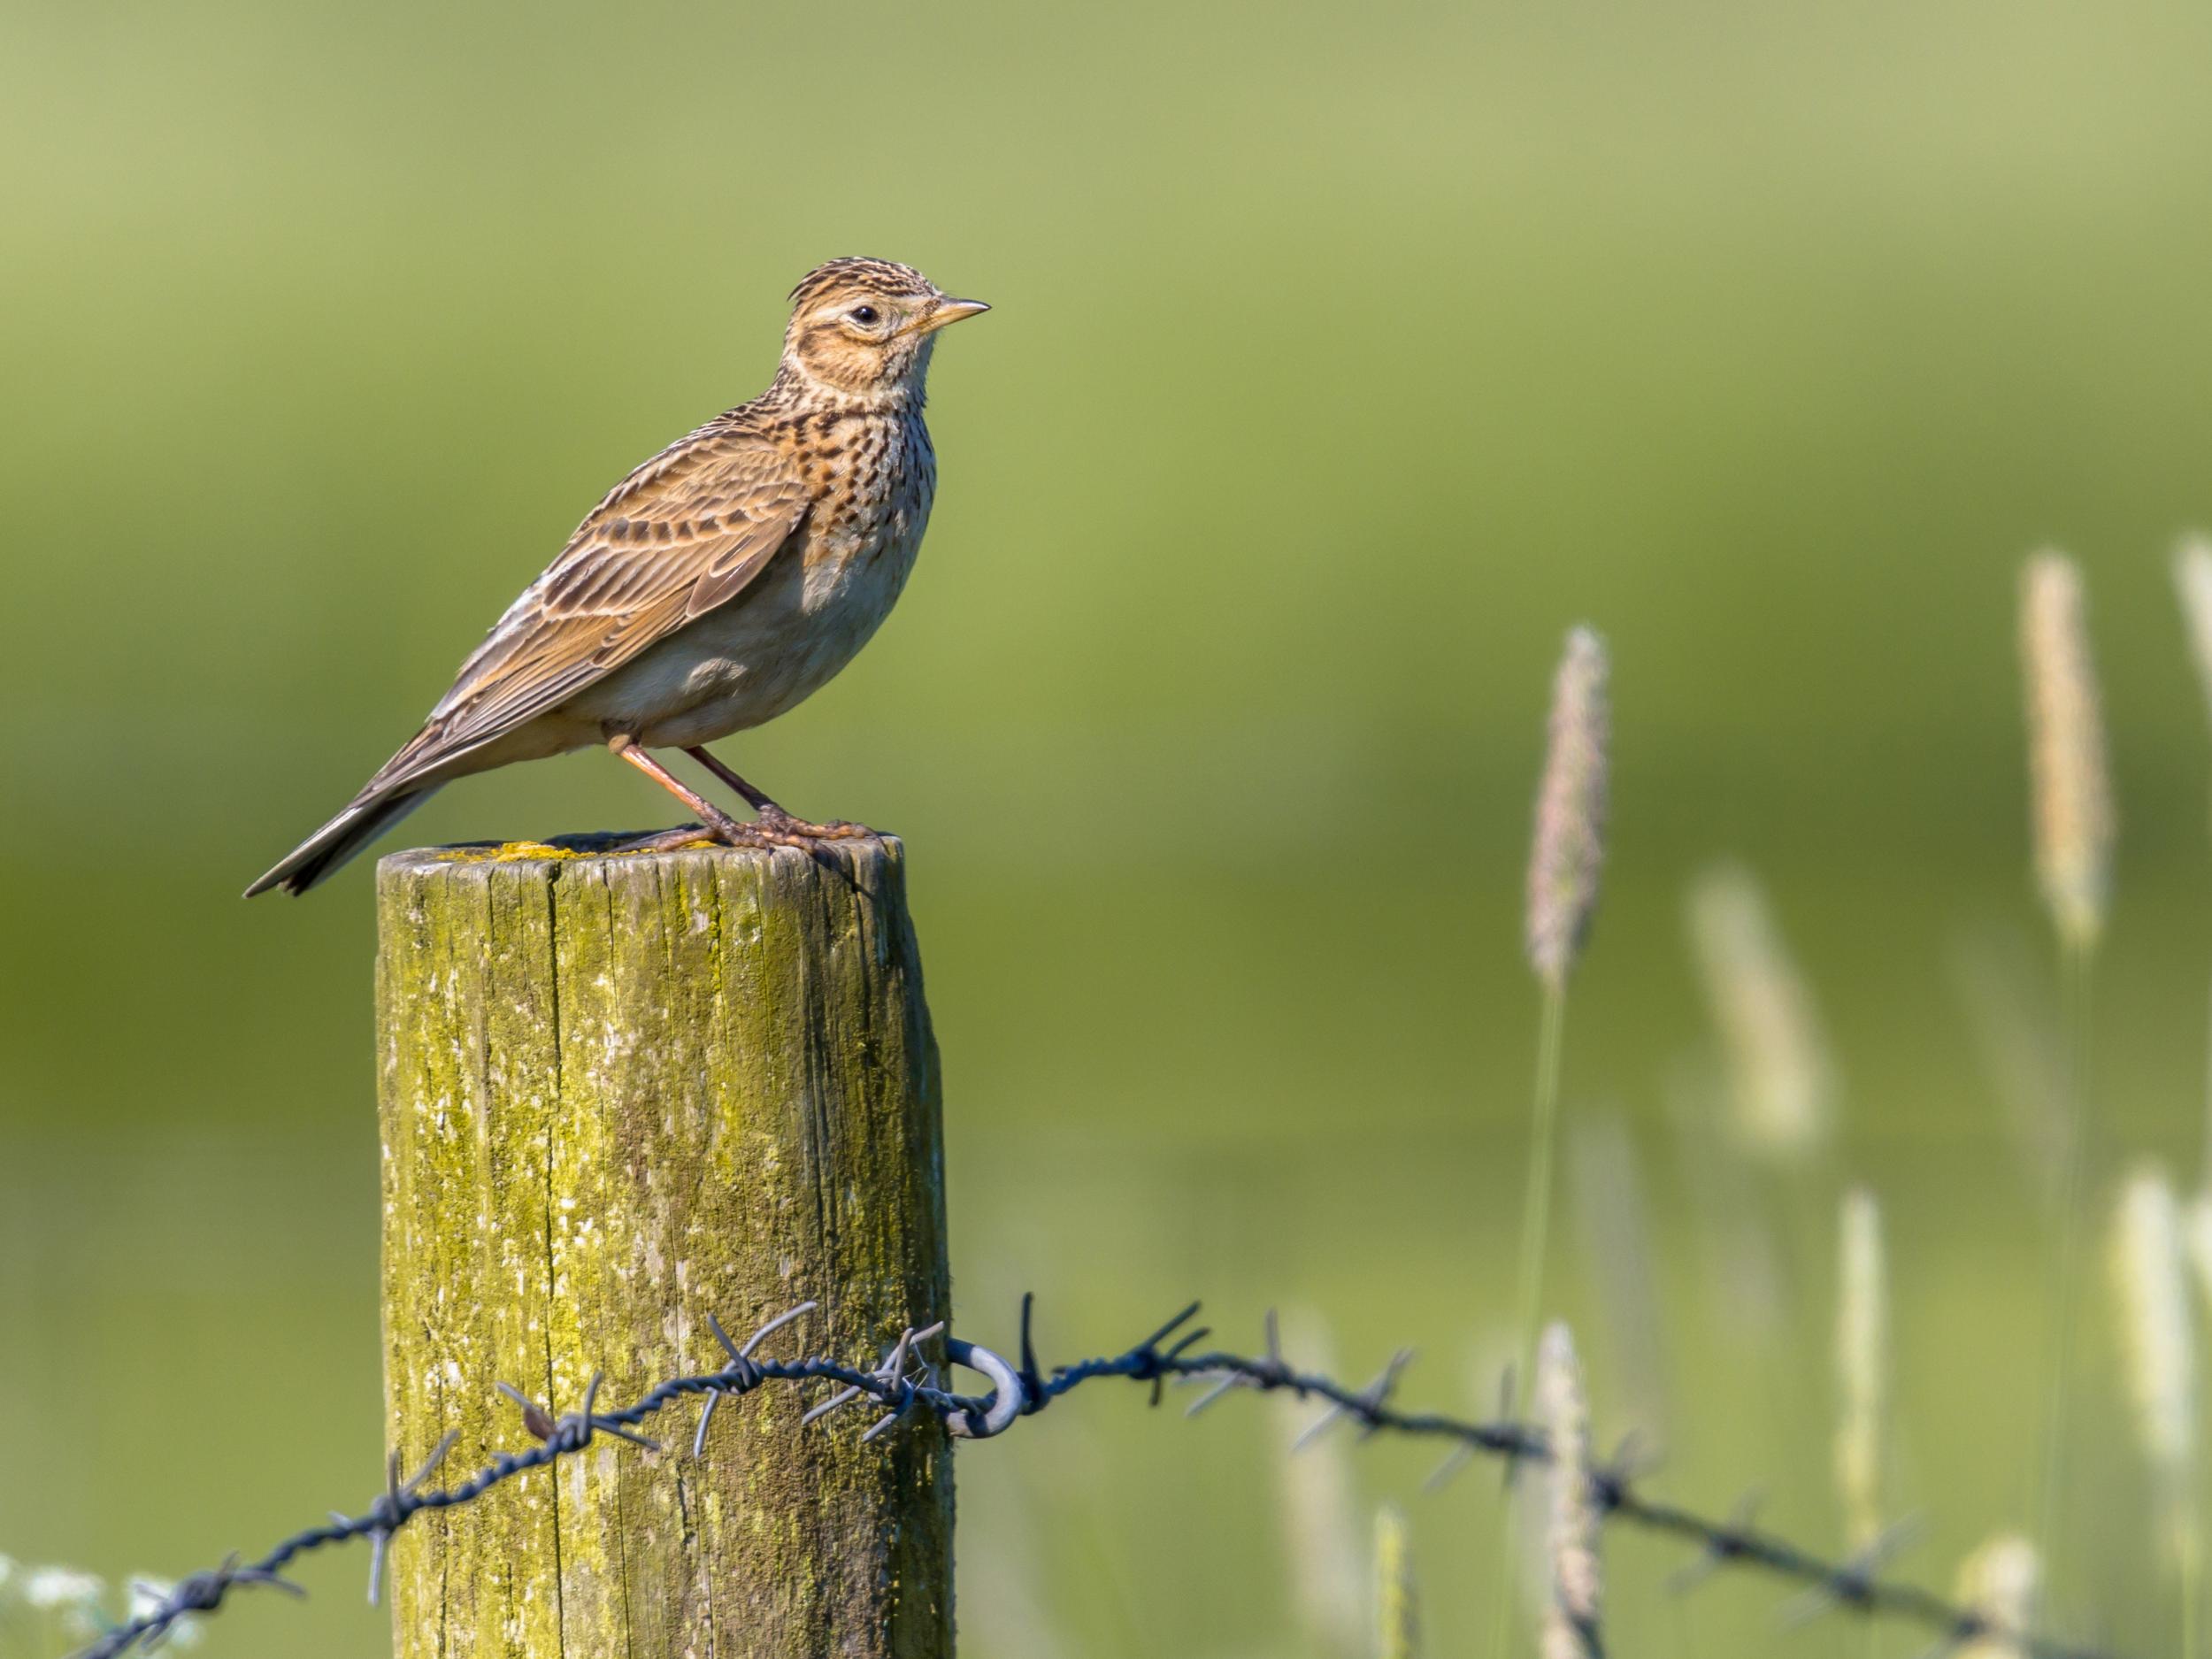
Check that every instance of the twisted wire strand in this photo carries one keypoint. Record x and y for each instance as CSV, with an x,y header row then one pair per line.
x,y
1168,1355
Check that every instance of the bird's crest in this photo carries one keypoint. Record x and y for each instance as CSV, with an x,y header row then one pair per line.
x,y
875,276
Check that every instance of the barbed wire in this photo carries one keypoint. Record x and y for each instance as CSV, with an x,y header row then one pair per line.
x,y
904,1380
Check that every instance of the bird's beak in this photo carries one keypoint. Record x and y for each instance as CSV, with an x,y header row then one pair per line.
x,y
945,312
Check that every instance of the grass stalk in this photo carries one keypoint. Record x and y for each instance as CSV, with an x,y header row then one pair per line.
x,y
1566,855
2073,824
1535,1237
2077,954
1536,1198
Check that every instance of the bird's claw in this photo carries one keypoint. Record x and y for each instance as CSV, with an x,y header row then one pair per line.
x,y
792,832
696,836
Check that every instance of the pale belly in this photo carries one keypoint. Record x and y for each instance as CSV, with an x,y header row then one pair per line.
x,y
766,652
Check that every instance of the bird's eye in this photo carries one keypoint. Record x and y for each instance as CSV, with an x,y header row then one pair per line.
x,y
864,315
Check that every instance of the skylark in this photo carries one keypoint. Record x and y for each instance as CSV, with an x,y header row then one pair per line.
x,y
717,587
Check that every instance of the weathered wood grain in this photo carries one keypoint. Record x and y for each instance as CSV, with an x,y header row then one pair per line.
x,y
619,1093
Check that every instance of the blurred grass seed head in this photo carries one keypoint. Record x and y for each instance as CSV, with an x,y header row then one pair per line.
x,y
1781,1082
2000,1581
2192,579
1567,848
1862,1369
1397,1597
2156,1343
1571,1615
2072,793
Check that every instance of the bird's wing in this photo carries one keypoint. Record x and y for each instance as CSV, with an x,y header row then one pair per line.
x,y
683,534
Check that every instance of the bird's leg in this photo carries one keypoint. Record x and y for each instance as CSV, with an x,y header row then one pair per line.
x,y
719,826
754,798
773,819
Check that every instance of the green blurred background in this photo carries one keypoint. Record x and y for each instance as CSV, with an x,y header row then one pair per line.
x,y
1342,358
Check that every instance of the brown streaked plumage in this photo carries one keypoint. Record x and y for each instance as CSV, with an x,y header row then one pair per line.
x,y
717,586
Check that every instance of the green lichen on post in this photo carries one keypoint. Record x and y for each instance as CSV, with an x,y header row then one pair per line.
x,y
619,1093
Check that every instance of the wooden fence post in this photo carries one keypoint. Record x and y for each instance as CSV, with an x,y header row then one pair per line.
x,y
619,1093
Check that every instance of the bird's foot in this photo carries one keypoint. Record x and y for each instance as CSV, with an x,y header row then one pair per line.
x,y
770,818
773,821
728,833
785,831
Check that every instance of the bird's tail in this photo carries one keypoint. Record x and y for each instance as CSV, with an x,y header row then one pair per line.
x,y
373,812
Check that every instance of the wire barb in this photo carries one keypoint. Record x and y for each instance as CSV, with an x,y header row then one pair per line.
x,y
573,1431
1724,1543
741,1376
1034,1399
394,1506
200,1592
1853,1583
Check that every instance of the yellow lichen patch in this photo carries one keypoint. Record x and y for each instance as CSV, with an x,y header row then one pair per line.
x,y
505,853
508,852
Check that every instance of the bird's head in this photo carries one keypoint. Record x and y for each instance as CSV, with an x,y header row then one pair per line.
x,y
863,328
